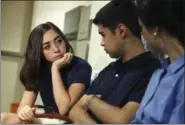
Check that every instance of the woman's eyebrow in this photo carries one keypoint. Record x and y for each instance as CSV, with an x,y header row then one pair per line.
x,y
52,40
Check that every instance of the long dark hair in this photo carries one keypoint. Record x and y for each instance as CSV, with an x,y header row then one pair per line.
x,y
31,69
165,14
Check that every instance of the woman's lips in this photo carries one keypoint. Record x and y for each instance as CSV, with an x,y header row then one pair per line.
x,y
58,57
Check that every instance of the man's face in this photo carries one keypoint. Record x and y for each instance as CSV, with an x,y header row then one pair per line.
x,y
111,42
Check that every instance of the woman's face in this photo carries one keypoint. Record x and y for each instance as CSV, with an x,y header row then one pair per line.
x,y
53,46
153,42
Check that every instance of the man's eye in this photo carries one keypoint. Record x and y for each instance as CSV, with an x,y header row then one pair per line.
x,y
102,35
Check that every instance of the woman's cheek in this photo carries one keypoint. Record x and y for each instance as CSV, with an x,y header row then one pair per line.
x,y
62,49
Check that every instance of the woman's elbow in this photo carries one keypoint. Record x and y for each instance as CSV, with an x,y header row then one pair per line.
x,y
64,108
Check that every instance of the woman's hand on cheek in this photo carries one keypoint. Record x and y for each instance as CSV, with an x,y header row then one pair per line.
x,y
62,62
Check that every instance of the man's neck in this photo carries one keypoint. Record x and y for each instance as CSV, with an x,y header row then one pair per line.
x,y
134,49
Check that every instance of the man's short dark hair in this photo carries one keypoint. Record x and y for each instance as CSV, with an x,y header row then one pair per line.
x,y
119,12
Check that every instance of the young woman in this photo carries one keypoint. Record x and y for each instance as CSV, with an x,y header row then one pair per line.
x,y
162,25
51,69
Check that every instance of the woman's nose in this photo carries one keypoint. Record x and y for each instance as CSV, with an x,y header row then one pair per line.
x,y
55,48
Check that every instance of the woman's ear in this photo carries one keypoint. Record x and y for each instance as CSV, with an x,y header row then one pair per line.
x,y
155,33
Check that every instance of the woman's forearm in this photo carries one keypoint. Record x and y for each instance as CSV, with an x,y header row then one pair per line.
x,y
61,96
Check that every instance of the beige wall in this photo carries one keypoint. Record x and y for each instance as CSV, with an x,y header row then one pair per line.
x,y
11,88
53,11
16,19
15,24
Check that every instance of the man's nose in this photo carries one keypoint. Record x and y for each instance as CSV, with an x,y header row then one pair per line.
x,y
102,43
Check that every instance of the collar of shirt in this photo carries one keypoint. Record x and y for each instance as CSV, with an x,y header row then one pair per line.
x,y
136,62
165,62
176,65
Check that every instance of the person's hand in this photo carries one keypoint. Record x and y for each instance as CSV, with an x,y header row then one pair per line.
x,y
83,101
89,99
26,113
62,62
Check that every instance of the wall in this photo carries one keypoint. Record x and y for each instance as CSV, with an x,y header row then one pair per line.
x,y
11,88
53,11
16,20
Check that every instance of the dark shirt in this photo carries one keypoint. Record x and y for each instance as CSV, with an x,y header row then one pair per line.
x,y
120,83
78,72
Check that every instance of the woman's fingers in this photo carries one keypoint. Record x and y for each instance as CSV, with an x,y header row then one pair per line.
x,y
26,114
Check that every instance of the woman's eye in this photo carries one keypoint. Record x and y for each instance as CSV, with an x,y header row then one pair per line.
x,y
46,47
59,40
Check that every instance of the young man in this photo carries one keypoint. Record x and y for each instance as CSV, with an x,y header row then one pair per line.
x,y
115,95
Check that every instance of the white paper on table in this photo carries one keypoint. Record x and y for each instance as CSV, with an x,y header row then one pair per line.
x,y
39,111
51,121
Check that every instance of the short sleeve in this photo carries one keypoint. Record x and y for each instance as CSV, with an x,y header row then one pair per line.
x,y
82,74
138,91
93,86
31,87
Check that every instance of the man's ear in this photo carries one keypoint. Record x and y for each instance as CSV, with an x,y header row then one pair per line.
x,y
122,30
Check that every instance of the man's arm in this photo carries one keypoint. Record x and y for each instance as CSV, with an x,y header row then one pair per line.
x,y
119,115
115,114
79,114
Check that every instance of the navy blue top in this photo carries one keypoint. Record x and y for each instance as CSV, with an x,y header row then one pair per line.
x,y
78,72
121,82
